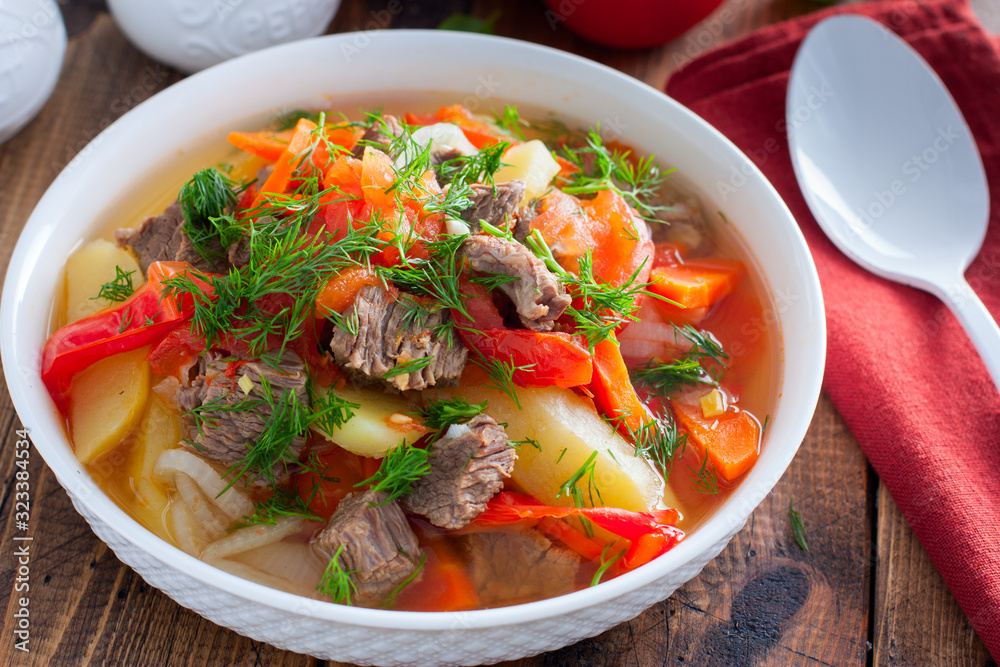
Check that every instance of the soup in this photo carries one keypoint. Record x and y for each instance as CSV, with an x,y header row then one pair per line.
x,y
429,361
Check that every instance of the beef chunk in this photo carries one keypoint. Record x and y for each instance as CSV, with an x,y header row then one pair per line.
x,y
516,567
379,546
494,204
468,466
685,223
226,435
379,135
537,294
162,238
523,226
387,338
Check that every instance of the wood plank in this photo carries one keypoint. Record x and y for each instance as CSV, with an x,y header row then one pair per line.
x,y
916,617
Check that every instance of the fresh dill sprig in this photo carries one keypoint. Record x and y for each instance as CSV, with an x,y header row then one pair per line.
x,y
603,307
511,121
337,582
266,303
288,120
570,488
401,468
283,503
704,478
204,201
329,411
126,320
437,277
289,419
702,364
117,290
659,442
390,600
605,563
763,429
439,414
501,374
531,442
600,168
798,529
492,281
411,366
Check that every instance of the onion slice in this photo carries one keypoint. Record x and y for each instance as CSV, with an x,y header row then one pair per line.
x,y
230,502
252,537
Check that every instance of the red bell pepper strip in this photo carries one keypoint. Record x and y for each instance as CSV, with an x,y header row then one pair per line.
x,y
546,358
651,533
140,320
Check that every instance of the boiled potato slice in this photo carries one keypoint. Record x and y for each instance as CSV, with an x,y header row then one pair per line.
x,y
532,162
87,269
159,430
377,426
106,400
568,430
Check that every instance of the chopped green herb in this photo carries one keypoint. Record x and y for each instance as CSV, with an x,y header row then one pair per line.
x,y
289,120
704,478
402,466
518,444
798,529
511,121
126,320
763,429
411,366
702,364
439,414
659,442
390,600
570,488
501,374
637,181
119,289
605,563
337,582
283,503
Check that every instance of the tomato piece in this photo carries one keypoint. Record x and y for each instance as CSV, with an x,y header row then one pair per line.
x,y
564,225
731,439
445,585
698,283
341,290
624,245
668,253
176,351
337,471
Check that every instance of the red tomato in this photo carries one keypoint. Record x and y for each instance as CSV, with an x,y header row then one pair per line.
x,y
339,471
629,24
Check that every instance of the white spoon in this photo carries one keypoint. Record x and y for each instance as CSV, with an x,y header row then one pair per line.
x,y
888,166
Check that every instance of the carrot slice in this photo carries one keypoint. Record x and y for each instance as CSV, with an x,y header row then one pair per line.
x,y
277,182
612,389
732,439
698,283
267,145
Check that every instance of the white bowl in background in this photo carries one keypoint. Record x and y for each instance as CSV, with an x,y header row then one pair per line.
x,y
479,71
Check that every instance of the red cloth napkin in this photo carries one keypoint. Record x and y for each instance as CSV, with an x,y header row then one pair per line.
x,y
900,369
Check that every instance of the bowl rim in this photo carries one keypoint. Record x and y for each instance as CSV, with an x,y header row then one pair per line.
x,y
745,497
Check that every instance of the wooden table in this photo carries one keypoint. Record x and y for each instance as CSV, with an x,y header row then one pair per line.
x,y
865,593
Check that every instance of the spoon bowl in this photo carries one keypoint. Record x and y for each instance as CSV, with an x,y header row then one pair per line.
x,y
888,165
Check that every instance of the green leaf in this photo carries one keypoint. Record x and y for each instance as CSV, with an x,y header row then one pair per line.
x,y
468,23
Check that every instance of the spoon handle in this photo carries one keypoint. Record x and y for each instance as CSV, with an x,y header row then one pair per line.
x,y
978,323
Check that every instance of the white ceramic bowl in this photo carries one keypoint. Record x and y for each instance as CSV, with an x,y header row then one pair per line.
x,y
477,70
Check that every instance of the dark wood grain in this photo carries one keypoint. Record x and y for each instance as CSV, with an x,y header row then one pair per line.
x,y
865,593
